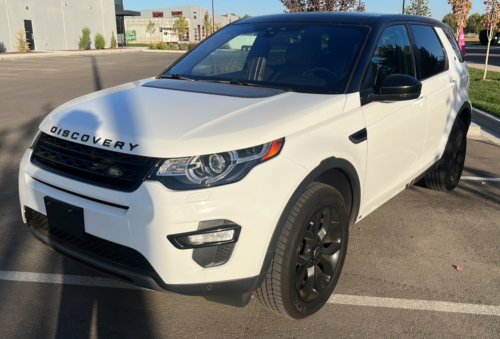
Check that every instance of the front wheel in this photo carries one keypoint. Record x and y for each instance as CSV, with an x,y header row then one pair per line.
x,y
449,170
309,256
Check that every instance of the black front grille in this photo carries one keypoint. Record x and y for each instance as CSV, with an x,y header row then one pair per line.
x,y
90,164
91,245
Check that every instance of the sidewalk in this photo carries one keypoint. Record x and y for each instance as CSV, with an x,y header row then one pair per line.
x,y
481,66
49,54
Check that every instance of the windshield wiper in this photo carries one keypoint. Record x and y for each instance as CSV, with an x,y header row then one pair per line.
x,y
244,83
176,77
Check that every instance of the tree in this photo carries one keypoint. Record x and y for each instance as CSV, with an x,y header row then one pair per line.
x,y
493,13
412,8
246,16
323,6
207,23
475,23
114,43
461,10
150,28
450,21
84,42
22,45
180,26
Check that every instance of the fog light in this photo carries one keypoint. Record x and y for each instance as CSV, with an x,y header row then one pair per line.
x,y
206,237
209,238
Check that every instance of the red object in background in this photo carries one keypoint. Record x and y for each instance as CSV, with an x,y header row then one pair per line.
x,y
157,14
461,41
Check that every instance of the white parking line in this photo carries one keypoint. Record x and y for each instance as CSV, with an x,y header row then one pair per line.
x,y
407,304
29,69
480,179
10,74
64,279
411,304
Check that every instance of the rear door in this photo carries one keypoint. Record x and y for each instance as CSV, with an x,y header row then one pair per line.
x,y
396,130
439,83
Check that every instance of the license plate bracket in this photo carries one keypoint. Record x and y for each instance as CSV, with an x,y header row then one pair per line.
x,y
65,217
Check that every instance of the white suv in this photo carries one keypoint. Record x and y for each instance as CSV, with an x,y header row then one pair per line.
x,y
240,168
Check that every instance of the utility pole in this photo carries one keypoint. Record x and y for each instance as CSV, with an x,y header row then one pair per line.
x,y
419,8
213,18
403,11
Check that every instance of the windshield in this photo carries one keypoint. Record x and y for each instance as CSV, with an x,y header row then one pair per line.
x,y
303,57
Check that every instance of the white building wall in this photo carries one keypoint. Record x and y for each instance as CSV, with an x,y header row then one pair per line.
x,y
139,26
57,24
195,16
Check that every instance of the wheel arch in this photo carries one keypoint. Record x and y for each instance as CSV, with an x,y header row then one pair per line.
x,y
465,114
335,172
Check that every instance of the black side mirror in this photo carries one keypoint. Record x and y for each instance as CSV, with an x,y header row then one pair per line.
x,y
398,87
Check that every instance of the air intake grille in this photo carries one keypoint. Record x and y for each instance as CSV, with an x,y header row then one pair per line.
x,y
100,248
91,165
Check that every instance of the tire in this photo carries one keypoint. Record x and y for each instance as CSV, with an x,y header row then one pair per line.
x,y
309,256
446,176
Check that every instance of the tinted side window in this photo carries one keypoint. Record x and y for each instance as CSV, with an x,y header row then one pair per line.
x,y
392,56
432,54
454,43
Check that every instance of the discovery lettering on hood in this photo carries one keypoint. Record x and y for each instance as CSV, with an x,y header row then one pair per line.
x,y
91,139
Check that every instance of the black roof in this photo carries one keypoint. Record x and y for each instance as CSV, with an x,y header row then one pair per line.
x,y
371,19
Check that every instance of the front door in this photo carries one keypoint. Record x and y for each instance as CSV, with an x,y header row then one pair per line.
x,y
396,130
30,36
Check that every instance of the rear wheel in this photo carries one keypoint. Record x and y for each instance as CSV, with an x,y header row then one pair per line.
x,y
447,175
309,256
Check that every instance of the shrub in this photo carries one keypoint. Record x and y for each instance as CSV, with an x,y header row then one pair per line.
x,y
174,46
84,42
184,47
114,44
163,46
100,41
192,46
153,45
21,44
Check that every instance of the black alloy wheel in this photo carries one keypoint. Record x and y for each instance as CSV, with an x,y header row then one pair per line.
x,y
309,256
446,176
318,254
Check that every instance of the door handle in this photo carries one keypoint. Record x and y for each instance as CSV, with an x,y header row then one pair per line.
x,y
453,83
420,101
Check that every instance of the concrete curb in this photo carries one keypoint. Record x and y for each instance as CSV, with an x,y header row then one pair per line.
x,y
52,54
162,51
476,132
65,53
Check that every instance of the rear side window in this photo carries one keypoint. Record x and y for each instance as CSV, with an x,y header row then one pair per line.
x,y
454,43
393,55
432,54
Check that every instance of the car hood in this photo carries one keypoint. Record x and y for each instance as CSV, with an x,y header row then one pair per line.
x,y
158,121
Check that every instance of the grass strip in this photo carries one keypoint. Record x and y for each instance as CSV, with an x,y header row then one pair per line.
x,y
485,94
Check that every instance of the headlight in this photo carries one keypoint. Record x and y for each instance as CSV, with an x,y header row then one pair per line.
x,y
214,169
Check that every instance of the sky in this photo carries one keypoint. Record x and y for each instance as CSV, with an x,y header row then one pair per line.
x,y
439,8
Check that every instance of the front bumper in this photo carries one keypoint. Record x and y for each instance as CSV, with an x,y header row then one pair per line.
x,y
142,220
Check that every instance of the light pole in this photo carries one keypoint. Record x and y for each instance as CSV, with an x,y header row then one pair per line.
x,y
419,8
403,11
213,18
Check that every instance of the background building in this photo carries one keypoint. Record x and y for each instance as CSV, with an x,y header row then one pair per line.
x,y
55,24
165,17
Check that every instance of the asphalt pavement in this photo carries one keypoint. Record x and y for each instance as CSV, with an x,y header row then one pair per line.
x,y
398,281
